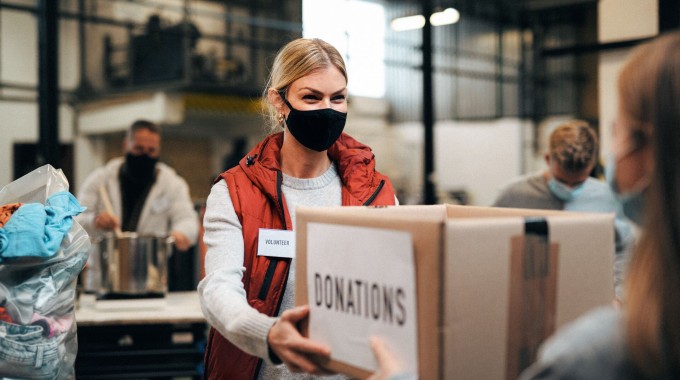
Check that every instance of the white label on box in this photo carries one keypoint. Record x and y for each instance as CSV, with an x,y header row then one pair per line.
x,y
361,283
276,243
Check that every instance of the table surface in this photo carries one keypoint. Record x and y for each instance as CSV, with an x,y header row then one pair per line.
x,y
176,307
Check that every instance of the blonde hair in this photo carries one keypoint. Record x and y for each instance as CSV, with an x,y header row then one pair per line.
x,y
573,145
649,92
295,60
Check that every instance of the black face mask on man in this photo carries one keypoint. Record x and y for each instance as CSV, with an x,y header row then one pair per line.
x,y
140,167
315,129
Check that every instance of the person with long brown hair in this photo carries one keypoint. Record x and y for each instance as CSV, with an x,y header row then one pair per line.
x,y
642,339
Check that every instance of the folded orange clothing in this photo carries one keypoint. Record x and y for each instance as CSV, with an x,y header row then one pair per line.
x,y
6,212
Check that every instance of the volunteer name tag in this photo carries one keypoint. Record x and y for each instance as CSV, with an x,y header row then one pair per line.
x,y
276,243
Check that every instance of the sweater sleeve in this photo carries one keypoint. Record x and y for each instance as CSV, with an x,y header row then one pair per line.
x,y
591,347
221,292
183,217
504,198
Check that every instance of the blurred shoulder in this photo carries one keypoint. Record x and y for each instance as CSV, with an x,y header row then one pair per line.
x,y
591,347
524,181
168,173
528,190
109,170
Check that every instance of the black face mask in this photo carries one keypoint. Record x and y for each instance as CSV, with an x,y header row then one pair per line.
x,y
315,129
139,167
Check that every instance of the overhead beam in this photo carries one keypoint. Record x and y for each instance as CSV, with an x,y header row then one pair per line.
x,y
592,48
538,5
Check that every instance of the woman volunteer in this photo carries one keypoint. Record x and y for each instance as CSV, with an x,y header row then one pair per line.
x,y
247,296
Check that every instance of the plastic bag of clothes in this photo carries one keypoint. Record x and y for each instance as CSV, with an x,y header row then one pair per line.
x,y
42,251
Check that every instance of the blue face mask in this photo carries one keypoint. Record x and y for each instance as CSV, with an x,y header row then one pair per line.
x,y
564,192
632,203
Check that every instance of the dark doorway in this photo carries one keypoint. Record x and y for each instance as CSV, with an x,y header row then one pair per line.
x,y
26,160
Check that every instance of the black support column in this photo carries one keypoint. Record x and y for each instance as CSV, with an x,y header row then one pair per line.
x,y
48,86
429,195
669,15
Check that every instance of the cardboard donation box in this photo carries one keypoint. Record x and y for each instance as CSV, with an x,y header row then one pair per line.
x,y
456,292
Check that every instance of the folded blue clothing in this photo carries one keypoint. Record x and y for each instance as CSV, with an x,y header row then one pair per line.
x,y
37,230
60,207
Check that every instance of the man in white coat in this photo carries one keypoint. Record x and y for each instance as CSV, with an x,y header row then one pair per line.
x,y
146,196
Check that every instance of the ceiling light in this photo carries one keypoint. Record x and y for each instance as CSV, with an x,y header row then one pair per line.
x,y
408,23
445,17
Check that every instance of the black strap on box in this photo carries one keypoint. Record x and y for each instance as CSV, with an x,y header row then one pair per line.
x,y
537,247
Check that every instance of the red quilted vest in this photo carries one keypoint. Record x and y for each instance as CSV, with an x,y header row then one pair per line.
x,y
255,190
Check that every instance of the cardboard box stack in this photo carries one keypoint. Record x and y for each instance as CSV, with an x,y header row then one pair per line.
x,y
491,284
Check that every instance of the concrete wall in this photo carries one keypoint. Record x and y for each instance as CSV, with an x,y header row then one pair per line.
x,y
475,157
619,20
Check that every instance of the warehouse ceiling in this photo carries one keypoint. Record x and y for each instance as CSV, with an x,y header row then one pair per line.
x,y
548,4
500,7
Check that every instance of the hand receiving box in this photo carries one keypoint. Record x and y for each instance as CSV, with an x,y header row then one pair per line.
x,y
456,292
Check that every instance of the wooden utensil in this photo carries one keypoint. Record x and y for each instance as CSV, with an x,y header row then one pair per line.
x,y
109,208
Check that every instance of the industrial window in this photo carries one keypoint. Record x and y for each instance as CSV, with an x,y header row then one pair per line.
x,y
357,29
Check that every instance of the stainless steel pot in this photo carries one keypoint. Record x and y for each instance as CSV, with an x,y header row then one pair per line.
x,y
133,265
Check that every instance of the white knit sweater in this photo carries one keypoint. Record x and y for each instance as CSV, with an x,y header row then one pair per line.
x,y
223,298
